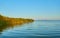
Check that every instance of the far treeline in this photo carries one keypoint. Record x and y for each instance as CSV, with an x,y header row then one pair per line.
x,y
8,22
15,21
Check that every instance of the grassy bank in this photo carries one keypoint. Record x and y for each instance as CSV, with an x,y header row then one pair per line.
x,y
6,22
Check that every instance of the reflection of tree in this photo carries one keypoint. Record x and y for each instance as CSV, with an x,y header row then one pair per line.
x,y
3,25
6,22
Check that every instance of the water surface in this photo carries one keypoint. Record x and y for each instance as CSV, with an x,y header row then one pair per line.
x,y
37,29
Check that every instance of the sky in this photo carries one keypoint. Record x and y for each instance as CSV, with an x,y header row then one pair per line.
x,y
35,9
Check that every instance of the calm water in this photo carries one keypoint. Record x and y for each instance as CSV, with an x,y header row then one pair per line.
x,y
37,29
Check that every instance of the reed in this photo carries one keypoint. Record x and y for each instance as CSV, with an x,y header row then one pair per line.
x,y
6,22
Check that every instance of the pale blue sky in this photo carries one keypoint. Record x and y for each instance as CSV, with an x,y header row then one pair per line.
x,y
36,9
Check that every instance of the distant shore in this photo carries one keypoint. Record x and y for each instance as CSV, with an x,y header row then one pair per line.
x,y
6,22
15,21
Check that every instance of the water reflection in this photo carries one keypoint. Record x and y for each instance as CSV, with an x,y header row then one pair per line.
x,y
5,25
35,29
7,22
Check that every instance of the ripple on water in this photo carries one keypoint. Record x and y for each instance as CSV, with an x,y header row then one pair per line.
x,y
38,28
